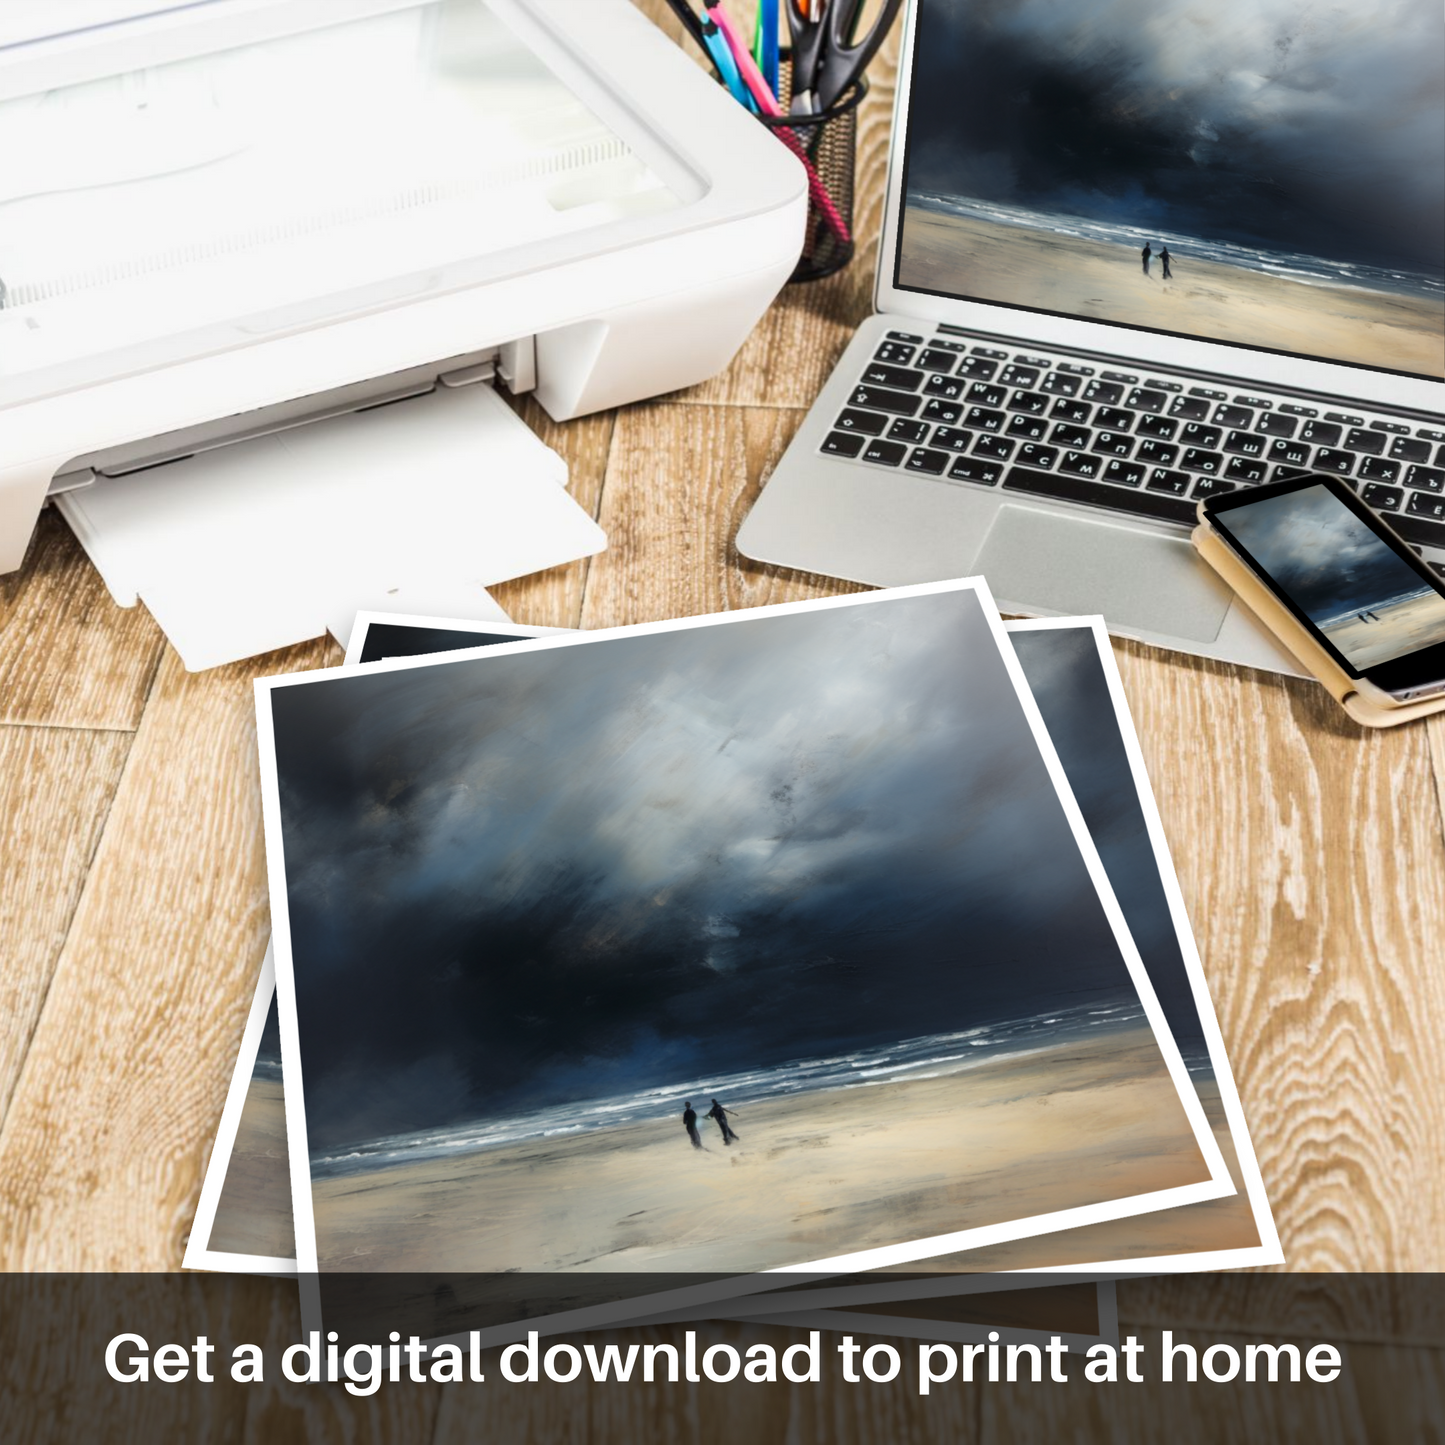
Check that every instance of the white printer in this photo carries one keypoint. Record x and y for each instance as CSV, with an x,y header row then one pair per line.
x,y
223,220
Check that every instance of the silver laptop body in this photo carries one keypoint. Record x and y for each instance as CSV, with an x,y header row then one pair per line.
x,y
944,444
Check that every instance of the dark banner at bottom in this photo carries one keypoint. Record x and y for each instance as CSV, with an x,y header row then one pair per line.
x,y
1278,1358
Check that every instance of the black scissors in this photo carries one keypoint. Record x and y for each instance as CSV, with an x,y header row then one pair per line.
x,y
827,55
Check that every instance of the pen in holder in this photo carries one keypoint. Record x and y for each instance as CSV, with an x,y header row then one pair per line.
x,y
826,143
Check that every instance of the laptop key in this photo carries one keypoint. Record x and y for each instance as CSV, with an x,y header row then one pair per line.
x,y
1189,408
1418,529
878,398
1014,375
905,336
982,394
1161,479
1162,427
1377,469
977,368
1113,444
993,447
1381,498
1330,459
932,359
1074,488
1035,403
1322,433
923,459
905,379
1242,469
843,444
1156,454
1372,443
1081,464
1245,443
954,438
1422,504
1124,474
895,353
1066,410
1233,416
1032,427
1113,418
1144,398
1107,392
1212,486
992,351
1427,479
983,419
1288,474
971,469
886,454
1195,435
948,387
1199,460
1060,383
867,422
1070,436
1272,424
1292,454
1036,456
1406,449
906,429
935,409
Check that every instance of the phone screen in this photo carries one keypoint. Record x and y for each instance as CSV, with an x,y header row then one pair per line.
x,y
1368,600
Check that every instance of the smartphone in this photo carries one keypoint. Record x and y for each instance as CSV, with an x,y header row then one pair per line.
x,y
1356,587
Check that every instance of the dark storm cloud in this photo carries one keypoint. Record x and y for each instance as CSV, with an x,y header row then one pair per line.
x,y
1068,683
563,874
1305,127
1321,554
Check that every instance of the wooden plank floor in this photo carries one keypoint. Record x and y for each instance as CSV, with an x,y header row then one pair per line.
x,y
133,909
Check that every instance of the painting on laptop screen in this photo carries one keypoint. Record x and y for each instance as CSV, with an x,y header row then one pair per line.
x,y
1263,172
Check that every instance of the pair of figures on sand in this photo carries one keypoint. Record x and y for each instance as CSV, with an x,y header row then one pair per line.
x,y
1164,259
689,1122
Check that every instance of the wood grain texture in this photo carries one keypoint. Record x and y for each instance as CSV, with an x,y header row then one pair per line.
x,y
69,656
110,1121
1312,863
680,481
56,786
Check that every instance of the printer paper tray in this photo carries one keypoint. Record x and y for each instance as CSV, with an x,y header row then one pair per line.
x,y
416,506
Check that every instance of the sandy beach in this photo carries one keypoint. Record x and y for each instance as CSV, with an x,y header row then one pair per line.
x,y
1391,631
254,1213
1212,1224
814,1175
1043,269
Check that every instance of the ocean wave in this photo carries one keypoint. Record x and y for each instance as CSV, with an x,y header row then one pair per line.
x,y
1288,265
900,1062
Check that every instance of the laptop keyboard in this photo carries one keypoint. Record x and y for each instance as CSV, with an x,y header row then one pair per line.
x,y
1144,444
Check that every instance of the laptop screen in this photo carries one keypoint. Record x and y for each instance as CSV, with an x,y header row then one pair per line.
x,y
1267,173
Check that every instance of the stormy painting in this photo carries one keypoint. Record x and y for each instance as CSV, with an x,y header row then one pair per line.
x,y
1264,172
710,948
1369,603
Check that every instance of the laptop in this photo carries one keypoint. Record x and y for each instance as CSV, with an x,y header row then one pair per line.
x,y
1134,254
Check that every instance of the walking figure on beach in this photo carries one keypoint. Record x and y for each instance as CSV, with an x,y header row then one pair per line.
x,y
689,1122
1145,255
1165,258
721,1115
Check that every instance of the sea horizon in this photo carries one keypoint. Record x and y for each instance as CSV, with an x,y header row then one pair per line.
x,y
1288,265
918,1058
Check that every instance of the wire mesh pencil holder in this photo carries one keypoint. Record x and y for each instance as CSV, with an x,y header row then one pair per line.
x,y
826,143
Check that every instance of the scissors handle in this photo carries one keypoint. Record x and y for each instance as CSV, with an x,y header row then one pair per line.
x,y
843,58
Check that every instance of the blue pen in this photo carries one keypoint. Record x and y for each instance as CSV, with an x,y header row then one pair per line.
x,y
727,67
768,29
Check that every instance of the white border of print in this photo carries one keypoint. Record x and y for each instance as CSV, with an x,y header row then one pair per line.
x,y
1216,1186
199,1254
361,629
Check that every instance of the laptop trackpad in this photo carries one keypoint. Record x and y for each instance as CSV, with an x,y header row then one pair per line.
x,y
1038,559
